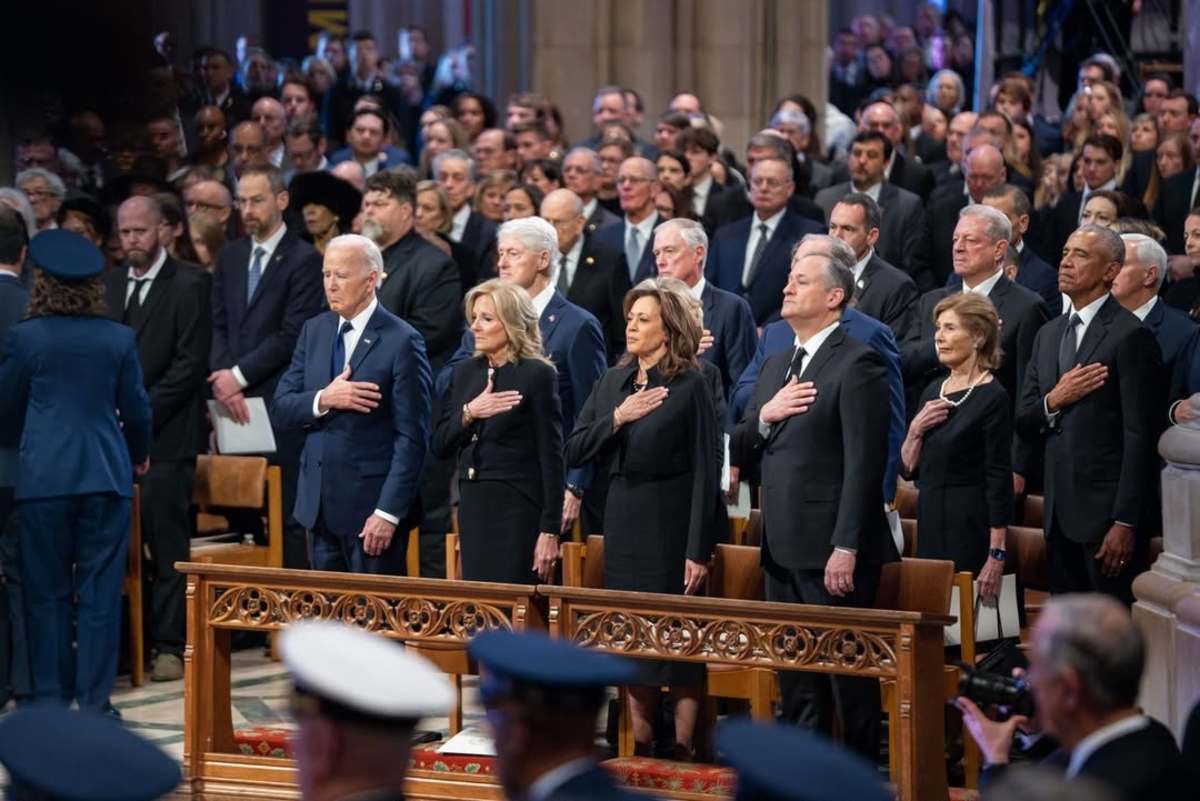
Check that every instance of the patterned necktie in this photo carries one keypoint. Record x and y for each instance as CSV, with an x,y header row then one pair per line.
x,y
763,236
255,273
338,362
1068,348
633,252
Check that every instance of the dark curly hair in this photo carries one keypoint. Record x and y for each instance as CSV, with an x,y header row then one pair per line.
x,y
51,297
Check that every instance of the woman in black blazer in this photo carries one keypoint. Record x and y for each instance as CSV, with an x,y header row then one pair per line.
x,y
503,421
650,425
959,446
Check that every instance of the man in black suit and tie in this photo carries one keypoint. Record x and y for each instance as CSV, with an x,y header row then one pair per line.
x,y
166,303
880,290
1094,395
1137,287
1086,659
883,117
455,171
980,245
14,298
582,170
983,170
265,286
904,235
825,535
751,257
637,186
680,248
734,204
586,272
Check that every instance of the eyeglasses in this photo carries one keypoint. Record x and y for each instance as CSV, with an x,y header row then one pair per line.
x,y
633,179
193,205
768,183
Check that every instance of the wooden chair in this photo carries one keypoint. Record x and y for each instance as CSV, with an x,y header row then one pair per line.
x,y
737,573
924,585
1027,559
752,533
909,527
1033,512
239,482
906,501
450,658
131,587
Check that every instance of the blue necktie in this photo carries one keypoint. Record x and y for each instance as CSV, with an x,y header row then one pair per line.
x,y
339,349
633,253
255,273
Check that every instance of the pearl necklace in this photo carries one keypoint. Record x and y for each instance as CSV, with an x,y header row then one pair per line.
x,y
970,389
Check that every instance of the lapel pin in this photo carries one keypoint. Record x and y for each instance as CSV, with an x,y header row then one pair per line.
x,y
366,342
552,318
861,283
591,260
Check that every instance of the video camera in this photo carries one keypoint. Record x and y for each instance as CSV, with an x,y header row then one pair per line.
x,y
986,689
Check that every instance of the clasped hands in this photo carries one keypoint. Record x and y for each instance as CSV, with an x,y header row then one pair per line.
x,y
228,392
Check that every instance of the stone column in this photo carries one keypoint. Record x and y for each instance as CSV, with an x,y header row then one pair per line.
x,y
1168,595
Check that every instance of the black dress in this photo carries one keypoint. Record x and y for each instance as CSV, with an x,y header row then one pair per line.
x,y
965,476
665,471
510,468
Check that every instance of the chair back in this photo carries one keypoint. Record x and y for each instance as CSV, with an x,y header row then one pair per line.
x,y
736,573
916,585
752,533
1033,511
235,481
908,527
583,563
1027,557
906,501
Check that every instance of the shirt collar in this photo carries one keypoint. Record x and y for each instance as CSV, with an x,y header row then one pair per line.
x,y
871,191
887,171
1020,246
1089,312
862,264
271,243
1110,185
813,343
155,268
702,188
986,286
542,299
589,208
545,785
359,321
1144,310
698,290
459,221
771,222
645,227
1102,737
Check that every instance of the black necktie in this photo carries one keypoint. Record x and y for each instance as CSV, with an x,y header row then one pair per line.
x,y
339,349
134,305
796,365
1068,347
764,234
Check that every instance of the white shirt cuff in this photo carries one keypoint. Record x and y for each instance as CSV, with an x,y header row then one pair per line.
x,y
395,521
237,374
317,412
1050,416
764,428
850,551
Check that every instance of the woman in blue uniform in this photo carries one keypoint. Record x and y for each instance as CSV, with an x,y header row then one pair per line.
x,y
74,403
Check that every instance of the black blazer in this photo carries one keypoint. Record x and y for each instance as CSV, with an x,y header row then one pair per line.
x,y
911,175
421,286
173,329
1173,329
727,255
1143,764
14,299
479,236
613,235
522,447
599,285
1101,461
259,336
1172,205
823,470
904,232
729,319
887,294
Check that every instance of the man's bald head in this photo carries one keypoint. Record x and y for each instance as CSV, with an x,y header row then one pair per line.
x,y
351,172
984,170
563,209
561,202
141,205
272,116
138,221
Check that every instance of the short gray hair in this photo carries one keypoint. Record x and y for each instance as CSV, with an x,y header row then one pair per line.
x,y
788,116
1147,251
57,187
931,88
691,232
1110,241
369,250
16,198
835,248
456,155
532,232
1095,636
996,224
593,156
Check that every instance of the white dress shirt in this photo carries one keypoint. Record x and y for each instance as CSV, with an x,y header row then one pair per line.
x,y
147,278
862,265
568,261
268,245
1195,188
887,169
276,156
542,299
589,208
1102,737
772,223
700,193
1144,310
697,291
871,191
985,286
811,346
458,224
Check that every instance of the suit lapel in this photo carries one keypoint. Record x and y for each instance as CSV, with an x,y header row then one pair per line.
x,y
708,300
824,353
1096,332
887,192
863,283
114,295
236,277
158,290
272,273
1154,320
323,352
551,316
370,336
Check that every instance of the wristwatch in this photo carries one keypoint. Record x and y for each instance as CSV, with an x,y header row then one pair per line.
x,y
997,553
575,490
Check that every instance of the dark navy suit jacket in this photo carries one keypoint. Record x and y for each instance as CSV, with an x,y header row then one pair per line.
x,y
259,336
727,257
731,322
373,461
778,337
73,399
1172,328
571,337
613,236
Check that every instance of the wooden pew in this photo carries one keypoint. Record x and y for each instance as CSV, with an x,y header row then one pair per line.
x,y
903,646
226,598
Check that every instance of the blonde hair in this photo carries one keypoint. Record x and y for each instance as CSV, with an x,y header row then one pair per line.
x,y
517,315
442,201
978,316
681,289
680,327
